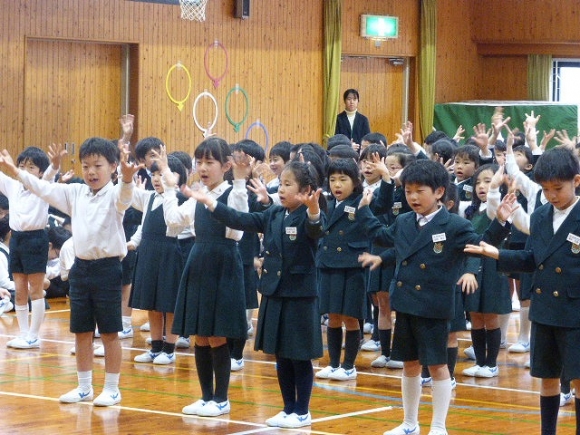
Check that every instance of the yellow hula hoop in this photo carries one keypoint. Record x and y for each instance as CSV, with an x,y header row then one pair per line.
x,y
179,103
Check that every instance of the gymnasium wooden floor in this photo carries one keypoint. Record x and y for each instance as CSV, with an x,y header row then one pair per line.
x,y
32,380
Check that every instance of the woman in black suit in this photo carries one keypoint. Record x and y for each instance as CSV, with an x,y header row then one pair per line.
x,y
350,122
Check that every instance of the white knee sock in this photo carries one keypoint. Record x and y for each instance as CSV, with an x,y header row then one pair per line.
x,y
411,389
525,325
38,310
504,320
441,394
22,316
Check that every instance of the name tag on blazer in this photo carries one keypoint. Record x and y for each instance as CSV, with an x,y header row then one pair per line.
x,y
351,211
291,232
575,240
438,240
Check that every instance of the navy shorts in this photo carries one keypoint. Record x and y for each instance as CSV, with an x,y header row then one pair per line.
x,y
554,351
128,265
420,338
28,252
95,295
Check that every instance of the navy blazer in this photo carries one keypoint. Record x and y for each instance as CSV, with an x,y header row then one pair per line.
x,y
360,127
289,259
554,260
344,239
427,267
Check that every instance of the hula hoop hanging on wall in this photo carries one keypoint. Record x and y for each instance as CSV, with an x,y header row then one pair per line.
x,y
258,124
179,103
216,80
206,131
237,89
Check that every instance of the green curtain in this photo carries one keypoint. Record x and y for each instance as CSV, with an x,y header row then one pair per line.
x,y
427,63
332,55
539,73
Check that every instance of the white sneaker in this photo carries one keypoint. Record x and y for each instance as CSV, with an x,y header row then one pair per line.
x,y
108,398
469,353
487,372
394,364
566,399
368,328
97,333
194,408
341,374
325,372
24,343
471,371
126,333
250,333
277,420
164,358
237,365
182,343
437,432
76,395
294,421
503,345
380,362
371,346
213,409
404,429
519,347
468,326
145,327
99,351
146,357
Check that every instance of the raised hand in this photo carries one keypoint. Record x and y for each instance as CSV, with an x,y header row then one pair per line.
x,y
241,165
507,207
127,124
310,199
259,188
128,170
7,164
55,153
366,199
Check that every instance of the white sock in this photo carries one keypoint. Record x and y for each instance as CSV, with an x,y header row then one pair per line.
x,y
85,381
37,317
525,325
22,316
504,320
411,389
112,381
127,322
441,395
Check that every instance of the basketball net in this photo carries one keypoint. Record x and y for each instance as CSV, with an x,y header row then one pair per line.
x,y
193,10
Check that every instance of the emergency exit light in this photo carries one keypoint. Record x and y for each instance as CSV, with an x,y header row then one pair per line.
x,y
379,27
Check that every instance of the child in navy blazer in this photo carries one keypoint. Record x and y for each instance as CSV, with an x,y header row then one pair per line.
x,y
552,253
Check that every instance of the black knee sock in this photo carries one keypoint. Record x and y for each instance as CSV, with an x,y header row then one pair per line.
x,y
425,372
375,335
493,340
478,340
221,368
451,360
564,385
334,342
549,407
351,345
168,348
385,340
287,383
203,363
236,346
304,377
156,346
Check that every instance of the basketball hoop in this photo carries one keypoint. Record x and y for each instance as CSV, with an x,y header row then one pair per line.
x,y
193,10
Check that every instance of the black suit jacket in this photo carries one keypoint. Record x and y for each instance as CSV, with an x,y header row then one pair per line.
x,y
360,127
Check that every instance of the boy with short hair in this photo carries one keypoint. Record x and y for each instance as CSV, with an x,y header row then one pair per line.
x,y
279,156
429,243
552,254
29,243
465,164
96,209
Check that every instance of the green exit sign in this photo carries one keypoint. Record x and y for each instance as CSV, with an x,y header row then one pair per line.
x,y
379,26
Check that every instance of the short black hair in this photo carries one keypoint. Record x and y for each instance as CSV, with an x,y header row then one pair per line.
x,y
184,158
349,168
57,236
281,149
376,137
470,152
145,145
4,227
98,146
527,152
350,91
213,147
445,148
251,148
434,136
500,146
337,139
425,172
558,163
372,149
34,155
176,166
4,203
343,152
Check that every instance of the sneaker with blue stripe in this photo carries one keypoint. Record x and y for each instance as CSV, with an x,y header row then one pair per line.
x,y
294,421
404,429
213,409
342,374
108,398
77,395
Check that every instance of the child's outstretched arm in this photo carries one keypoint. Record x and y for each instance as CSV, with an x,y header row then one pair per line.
x,y
483,249
7,164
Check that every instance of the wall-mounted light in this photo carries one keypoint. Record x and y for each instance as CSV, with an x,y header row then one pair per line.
x,y
379,27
